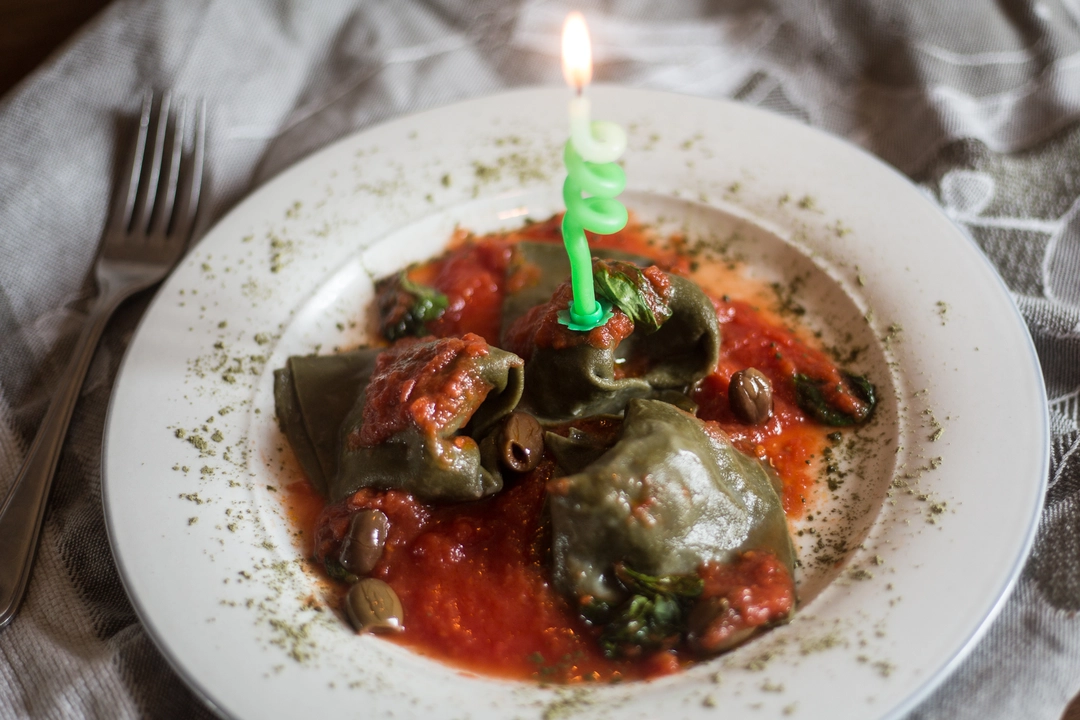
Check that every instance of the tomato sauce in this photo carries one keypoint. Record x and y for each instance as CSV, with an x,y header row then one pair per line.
x,y
789,441
304,504
473,578
420,384
471,277
754,590
477,272
474,584
540,326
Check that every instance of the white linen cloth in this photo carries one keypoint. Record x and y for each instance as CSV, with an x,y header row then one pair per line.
x,y
975,100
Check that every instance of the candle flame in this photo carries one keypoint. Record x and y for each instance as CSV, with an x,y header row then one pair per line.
x,y
576,51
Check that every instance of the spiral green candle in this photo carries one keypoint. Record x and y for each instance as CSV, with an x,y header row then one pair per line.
x,y
600,213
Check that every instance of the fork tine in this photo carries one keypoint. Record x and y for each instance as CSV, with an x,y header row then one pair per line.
x,y
187,201
162,214
124,199
148,186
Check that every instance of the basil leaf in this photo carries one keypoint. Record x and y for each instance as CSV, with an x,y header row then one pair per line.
x,y
336,571
686,586
643,624
626,286
429,303
405,307
667,613
654,616
595,611
811,396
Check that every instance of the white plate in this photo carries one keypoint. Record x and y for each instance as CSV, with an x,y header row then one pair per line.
x,y
937,515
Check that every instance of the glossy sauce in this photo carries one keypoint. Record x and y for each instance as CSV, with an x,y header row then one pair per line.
x,y
473,581
420,384
541,326
473,577
789,441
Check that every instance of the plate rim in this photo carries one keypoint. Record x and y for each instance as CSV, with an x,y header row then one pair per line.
x,y
932,681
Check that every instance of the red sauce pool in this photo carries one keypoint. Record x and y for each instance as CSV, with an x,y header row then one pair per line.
x,y
789,441
473,577
473,582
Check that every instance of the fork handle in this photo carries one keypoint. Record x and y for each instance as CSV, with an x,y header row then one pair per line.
x,y
24,508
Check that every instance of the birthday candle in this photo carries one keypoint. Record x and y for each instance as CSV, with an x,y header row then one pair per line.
x,y
590,157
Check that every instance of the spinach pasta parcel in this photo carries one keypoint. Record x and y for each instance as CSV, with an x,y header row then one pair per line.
x,y
522,500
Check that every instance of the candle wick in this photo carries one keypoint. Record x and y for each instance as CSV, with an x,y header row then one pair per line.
x,y
580,89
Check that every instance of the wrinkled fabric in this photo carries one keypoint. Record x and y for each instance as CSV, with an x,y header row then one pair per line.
x,y
976,100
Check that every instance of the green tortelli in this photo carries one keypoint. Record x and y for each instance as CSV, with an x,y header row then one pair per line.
x,y
581,380
320,405
667,496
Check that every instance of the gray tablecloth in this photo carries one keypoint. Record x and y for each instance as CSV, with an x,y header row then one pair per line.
x,y
976,100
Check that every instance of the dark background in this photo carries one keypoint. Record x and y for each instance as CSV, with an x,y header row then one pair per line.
x,y
31,30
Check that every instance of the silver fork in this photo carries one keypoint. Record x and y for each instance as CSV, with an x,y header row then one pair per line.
x,y
150,224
